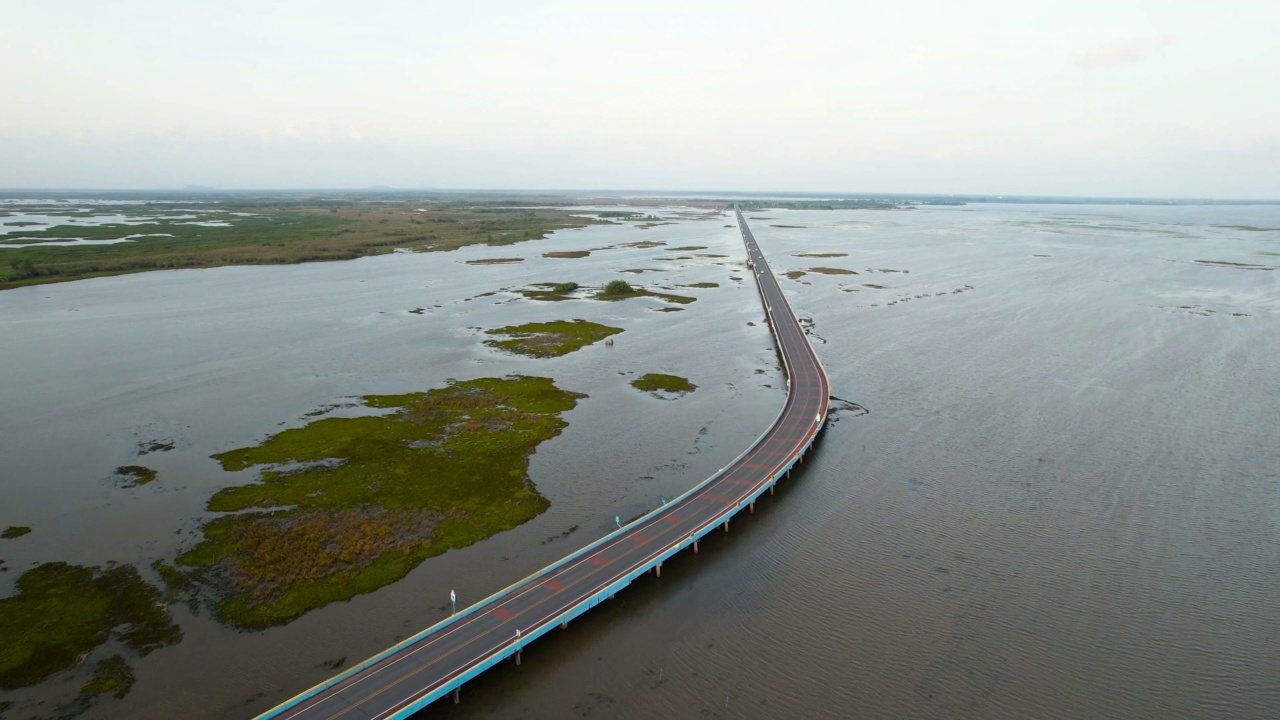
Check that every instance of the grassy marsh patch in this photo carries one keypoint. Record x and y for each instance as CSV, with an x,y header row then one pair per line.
x,y
703,285
278,229
820,255
375,495
795,274
620,290
113,675
687,248
135,475
662,385
570,254
831,271
14,531
494,261
550,339
62,612
549,292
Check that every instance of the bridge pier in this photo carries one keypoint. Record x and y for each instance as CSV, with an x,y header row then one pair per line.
x,y
771,487
518,656
752,506
564,625
726,526
457,695
695,546
658,569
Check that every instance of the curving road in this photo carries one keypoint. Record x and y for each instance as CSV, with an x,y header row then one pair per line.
x,y
437,661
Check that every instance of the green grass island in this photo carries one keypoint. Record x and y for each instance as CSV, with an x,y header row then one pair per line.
x,y
622,290
661,385
348,505
261,230
549,339
549,292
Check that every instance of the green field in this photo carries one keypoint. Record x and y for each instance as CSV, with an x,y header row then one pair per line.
x,y
266,230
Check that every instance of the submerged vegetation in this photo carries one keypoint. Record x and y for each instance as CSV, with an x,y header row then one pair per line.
x,y
550,339
1244,266
348,505
831,271
14,531
661,385
258,230
62,612
113,675
135,475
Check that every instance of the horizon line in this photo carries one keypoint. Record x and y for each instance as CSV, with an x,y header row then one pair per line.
x,y
821,194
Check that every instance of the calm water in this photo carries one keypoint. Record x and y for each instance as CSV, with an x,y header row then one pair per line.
x,y
1063,503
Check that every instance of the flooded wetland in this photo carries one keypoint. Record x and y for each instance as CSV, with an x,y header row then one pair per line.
x,y
1059,496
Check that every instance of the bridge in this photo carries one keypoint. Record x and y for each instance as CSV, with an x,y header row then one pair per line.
x,y
437,661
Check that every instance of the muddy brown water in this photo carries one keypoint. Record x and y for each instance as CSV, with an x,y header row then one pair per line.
x,y
1063,502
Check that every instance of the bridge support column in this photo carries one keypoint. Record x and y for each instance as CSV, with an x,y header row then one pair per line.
x,y
658,569
518,656
695,546
457,695
726,526
771,487
752,506
564,625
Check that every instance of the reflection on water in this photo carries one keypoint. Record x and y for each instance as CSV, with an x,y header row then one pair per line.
x,y
1062,503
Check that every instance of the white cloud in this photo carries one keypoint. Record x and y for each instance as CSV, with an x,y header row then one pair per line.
x,y
1122,52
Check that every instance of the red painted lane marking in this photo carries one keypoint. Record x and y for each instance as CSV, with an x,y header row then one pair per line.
x,y
597,560
722,501
674,518
638,537
555,585
502,613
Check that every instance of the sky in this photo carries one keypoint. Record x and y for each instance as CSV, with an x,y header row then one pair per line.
x,y
1113,98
